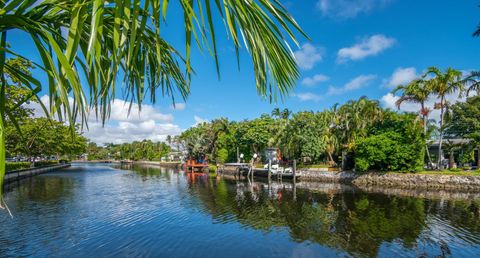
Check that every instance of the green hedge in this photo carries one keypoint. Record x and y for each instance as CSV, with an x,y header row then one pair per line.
x,y
45,163
11,166
388,152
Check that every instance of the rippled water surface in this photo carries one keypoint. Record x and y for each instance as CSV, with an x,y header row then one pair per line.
x,y
102,211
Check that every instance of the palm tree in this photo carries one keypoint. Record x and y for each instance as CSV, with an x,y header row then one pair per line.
x,y
417,91
285,114
477,32
276,112
442,84
105,41
472,82
329,118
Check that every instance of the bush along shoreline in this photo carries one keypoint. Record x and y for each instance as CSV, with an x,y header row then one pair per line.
x,y
14,166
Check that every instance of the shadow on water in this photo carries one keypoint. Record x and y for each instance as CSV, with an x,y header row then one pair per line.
x,y
105,211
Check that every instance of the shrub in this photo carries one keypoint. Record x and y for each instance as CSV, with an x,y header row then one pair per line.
x,y
394,144
43,163
11,166
222,156
388,152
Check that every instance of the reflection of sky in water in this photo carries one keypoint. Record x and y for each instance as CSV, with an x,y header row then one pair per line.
x,y
98,211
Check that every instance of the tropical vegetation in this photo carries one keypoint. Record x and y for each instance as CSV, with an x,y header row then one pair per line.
x,y
343,133
85,47
137,150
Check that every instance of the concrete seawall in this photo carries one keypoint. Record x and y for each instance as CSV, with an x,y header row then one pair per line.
x,y
158,163
398,180
387,180
29,172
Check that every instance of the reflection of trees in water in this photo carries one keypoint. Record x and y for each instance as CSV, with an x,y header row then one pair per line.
x,y
459,214
44,189
149,171
371,220
357,223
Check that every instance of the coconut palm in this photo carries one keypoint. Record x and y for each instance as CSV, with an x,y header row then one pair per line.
x,y
276,112
329,118
355,117
102,42
444,83
477,32
285,114
418,92
472,82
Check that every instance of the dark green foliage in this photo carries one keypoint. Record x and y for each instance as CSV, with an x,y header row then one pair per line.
x,y
463,120
144,150
43,137
303,136
395,144
222,156
11,166
44,163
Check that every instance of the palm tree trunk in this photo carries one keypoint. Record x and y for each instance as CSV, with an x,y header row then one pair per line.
x,y
330,157
451,160
441,133
425,131
478,157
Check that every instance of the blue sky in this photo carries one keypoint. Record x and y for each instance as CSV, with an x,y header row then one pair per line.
x,y
357,48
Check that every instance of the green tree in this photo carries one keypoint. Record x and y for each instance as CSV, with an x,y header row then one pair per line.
x,y
472,81
444,83
106,40
463,121
417,91
16,93
302,137
39,137
257,134
394,144
276,112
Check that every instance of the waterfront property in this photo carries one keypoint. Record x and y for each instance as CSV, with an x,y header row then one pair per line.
x,y
99,210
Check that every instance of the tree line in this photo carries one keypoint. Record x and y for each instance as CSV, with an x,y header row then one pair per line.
x,y
137,150
359,134
32,137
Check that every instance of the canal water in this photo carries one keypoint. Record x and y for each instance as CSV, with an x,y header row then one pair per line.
x,y
104,211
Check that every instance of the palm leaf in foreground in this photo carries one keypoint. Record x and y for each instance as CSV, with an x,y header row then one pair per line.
x,y
119,40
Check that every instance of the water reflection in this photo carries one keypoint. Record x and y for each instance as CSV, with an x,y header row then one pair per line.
x,y
345,218
102,211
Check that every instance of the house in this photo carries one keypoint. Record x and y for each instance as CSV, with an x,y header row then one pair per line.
x,y
454,151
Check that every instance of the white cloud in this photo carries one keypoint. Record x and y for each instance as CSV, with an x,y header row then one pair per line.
x,y
149,123
308,96
389,101
179,106
401,76
199,120
355,84
369,46
129,131
346,9
312,81
308,56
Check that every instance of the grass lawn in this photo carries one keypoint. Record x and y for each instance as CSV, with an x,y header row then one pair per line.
x,y
313,166
443,173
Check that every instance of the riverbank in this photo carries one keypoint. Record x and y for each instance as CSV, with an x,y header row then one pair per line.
x,y
399,180
29,172
159,163
423,180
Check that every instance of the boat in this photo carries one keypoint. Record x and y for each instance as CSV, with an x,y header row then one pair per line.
x,y
276,172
